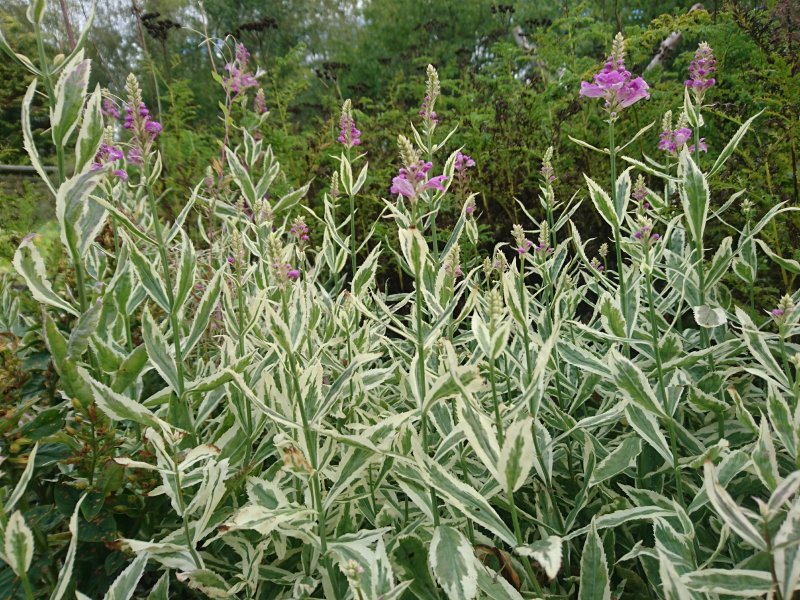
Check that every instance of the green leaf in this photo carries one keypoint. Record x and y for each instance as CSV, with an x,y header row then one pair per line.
x,y
27,137
695,196
24,479
516,457
119,407
618,461
202,315
84,330
411,557
415,249
764,458
130,369
611,317
731,146
709,316
453,563
70,92
731,514
159,352
602,202
733,582
634,385
125,584
671,583
186,271
205,581
91,132
29,264
18,544
594,582
646,425
160,590
150,278
547,552
65,572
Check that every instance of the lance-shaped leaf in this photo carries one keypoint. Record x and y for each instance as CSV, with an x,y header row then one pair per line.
x,y
125,584
646,425
546,552
150,278
594,582
453,563
694,196
65,573
18,544
202,315
634,385
29,264
744,583
618,461
415,249
27,137
91,132
671,583
516,456
731,146
158,350
729,511
84,330
70,92
602,202
22,484
765,459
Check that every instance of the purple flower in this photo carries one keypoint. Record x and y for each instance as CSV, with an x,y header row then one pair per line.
x,y
239,78
135,155
470,206
411,181
152,127
300,230
121,174
703,146
349,135
777,312
673,140
293,274
701,71
463,161
426,111
110,108
614,82
107,153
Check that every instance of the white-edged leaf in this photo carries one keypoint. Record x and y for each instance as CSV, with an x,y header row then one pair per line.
x,y
730,512
547,552
453,563
516,456
65,572
18,544
125,584
594,582
24,479
29,264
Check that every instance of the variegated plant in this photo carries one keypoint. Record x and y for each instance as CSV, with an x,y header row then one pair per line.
x,y
548,427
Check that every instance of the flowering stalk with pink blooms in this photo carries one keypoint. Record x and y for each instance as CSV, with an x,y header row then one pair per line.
x,y
615,84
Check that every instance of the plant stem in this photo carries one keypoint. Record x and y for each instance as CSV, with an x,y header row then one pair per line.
x,y
661,388
612,148
422,383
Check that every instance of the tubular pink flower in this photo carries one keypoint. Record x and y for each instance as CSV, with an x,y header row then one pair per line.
x,y
614,83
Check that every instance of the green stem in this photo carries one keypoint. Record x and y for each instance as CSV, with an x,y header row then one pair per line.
x,y
523,298
498,421
173,313
422,382
612,148
27,585
661,387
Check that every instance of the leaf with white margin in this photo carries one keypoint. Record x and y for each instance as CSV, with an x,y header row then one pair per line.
x,y
65,573
18,544
547,552
29,264
730,512
516,456
22,484
594,581
453,563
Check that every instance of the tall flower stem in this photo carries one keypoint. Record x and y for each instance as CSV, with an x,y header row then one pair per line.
x,y
526,337
612,148
662,388
173,313
422,380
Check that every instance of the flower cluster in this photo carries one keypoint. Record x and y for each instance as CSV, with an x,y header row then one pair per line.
x,y
452,263
349,135
672,140
645,232
639,194
547,171
260,102
144,122
239,79
138,121
783,310
615,83
300,230
412,179
701,71
470,206
432,91
109,108
463,162
109,153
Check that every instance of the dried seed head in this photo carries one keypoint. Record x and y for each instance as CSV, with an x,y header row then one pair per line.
x,y
408,154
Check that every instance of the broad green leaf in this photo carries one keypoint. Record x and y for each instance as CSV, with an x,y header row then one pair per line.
x,y
594,581
130,369
547,552
29,264
728,510
611,316
84,330
516,456
18,544
453,563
